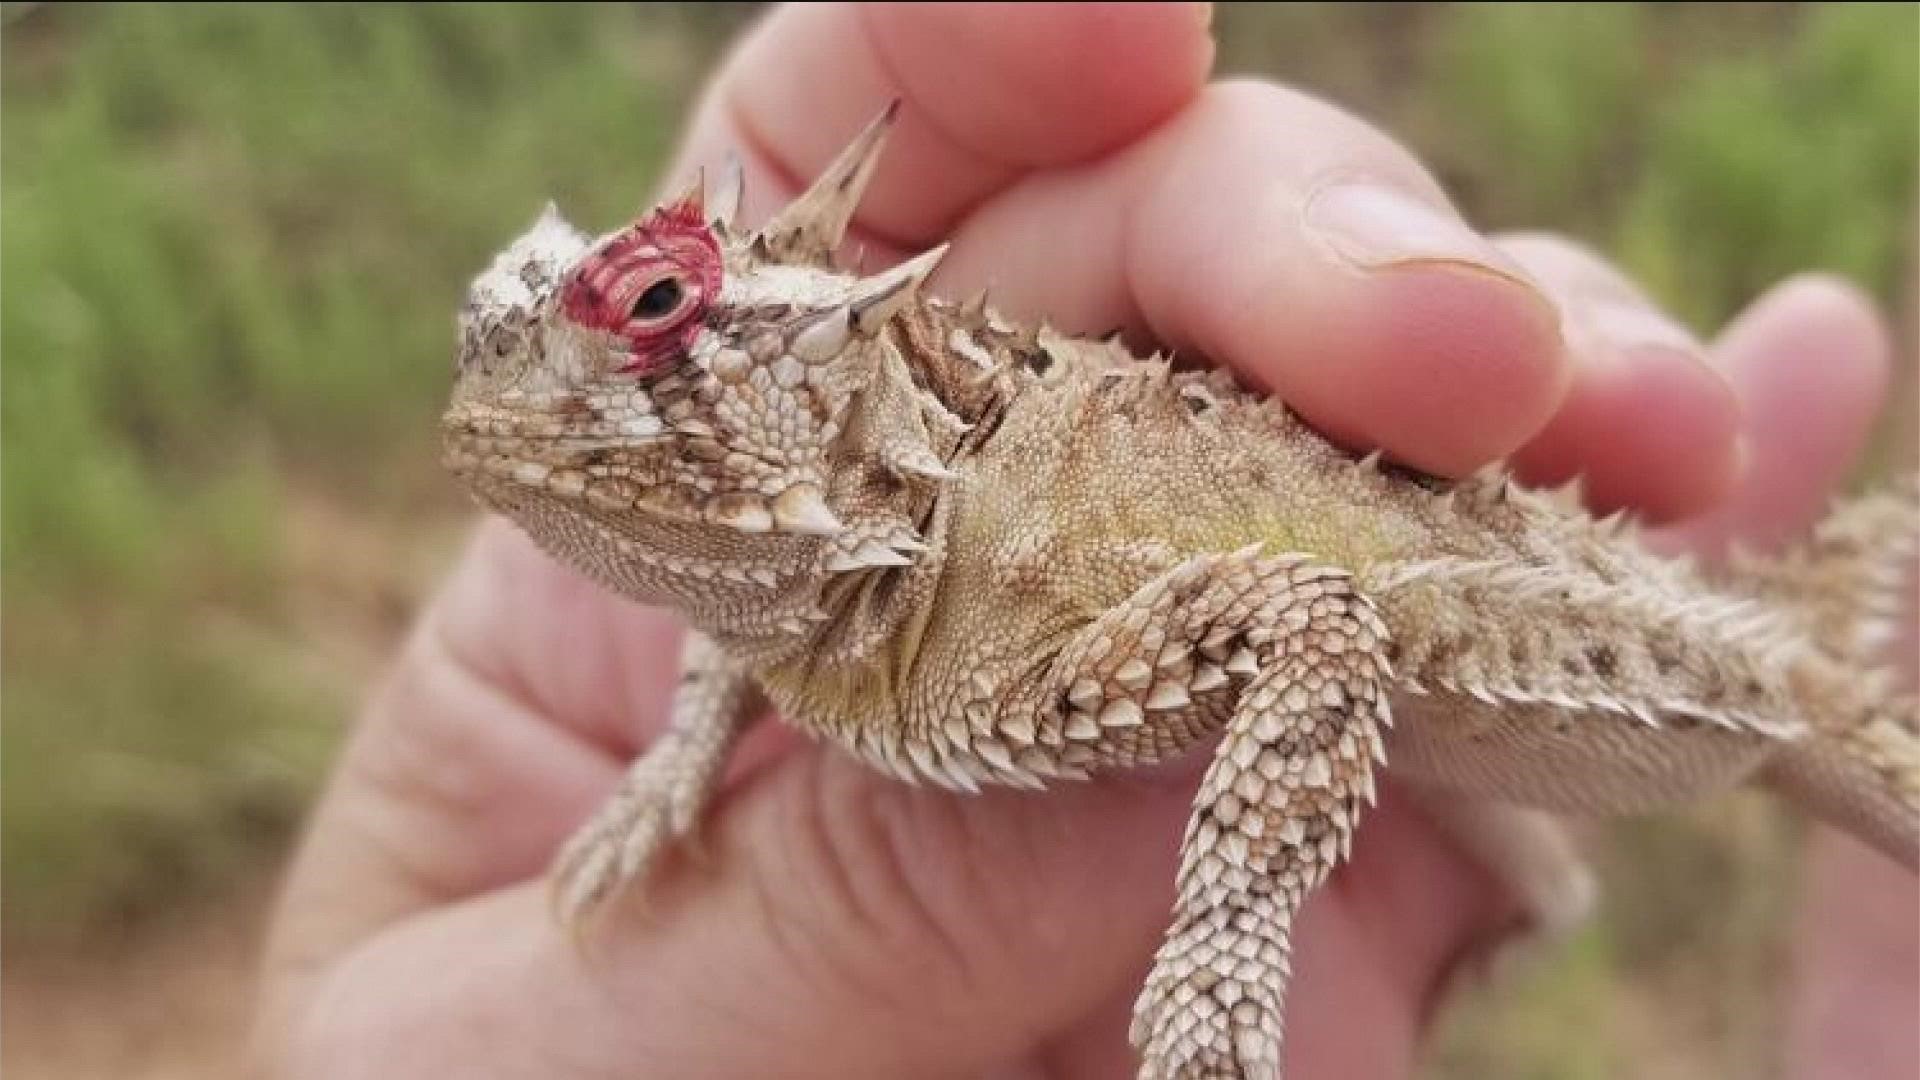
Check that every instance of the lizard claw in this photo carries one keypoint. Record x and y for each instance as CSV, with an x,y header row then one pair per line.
x,y
621,843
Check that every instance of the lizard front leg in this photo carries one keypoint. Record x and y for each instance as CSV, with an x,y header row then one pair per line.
x,y
1293,660
667,787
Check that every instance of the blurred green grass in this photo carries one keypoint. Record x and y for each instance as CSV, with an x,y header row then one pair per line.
x,y
233,241
233,238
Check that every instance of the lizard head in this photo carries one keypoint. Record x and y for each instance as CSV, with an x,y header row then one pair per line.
x,y
694,408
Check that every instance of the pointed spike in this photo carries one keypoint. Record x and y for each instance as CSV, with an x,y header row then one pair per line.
x,y
1122,713
921,462
922,756
1208,677
691,201
957,733
1574,491
879,298
745,513
812,226
873,554
995,754
1216,645
1036,761
801,509
1168,695
1027,776
974,308
1085,694
824,338
1020,729
1134,675
958,775
724,206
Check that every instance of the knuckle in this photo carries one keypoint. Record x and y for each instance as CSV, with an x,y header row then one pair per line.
x,y
1570,268
1330,143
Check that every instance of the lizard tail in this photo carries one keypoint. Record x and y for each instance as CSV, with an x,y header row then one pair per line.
x,y
1862,777
1847,583
1848,586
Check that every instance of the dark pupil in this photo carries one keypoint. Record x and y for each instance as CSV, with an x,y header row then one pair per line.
x,y
660,299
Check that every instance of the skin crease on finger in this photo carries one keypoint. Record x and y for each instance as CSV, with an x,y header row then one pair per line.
x,y
505,985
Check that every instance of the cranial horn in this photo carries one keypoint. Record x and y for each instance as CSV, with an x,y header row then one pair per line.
x,y
879,298
689,203
724,207
812,226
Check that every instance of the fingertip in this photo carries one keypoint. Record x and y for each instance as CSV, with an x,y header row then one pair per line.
x,y
1469,364
1819,323
1044,84
1340,280
1809,362
1650,428
990,92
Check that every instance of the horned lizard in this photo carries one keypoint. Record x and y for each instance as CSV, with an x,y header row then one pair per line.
x,y
971,553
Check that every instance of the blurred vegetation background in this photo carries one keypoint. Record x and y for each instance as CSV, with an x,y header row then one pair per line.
x,y
233,238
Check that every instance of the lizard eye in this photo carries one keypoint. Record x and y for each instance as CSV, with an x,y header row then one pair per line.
x,y
658,300
647,286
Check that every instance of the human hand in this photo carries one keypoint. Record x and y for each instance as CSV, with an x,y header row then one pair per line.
x,y
836,922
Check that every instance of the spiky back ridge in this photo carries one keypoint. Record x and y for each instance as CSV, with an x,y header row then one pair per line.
x,y
1508,601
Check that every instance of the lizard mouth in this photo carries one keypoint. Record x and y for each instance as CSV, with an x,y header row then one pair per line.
x,y
470,448
554,438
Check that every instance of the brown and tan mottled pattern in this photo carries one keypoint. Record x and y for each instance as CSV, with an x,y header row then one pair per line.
x,y
973,553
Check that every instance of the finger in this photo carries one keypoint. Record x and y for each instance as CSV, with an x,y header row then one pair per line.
x,y
1809,362
480,752
1270,231
1647,422
598,665
990,91
838,905
1856,949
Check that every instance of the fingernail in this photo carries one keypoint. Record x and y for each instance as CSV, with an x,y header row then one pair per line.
x,y
1375,228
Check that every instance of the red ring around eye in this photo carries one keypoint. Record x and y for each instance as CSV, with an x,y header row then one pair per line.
x,y
609,290
654,302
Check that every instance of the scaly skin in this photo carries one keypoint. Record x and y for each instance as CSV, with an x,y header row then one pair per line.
x,y
973,553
